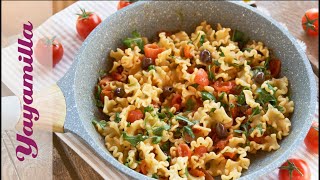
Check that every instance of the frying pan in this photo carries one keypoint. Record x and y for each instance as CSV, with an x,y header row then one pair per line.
x,y
69,105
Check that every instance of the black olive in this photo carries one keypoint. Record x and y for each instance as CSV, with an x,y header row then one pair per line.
x,y
146,62
259,77
205,56
119,69
253,5
119,92
167,90
221,131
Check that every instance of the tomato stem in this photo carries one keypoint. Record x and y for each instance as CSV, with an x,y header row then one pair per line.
x,y
309,24
84,14
291,167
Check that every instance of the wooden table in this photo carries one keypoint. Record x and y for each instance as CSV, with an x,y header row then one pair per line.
x,y
68,165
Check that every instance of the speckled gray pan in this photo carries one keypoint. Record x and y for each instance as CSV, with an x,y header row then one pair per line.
x,y
150,17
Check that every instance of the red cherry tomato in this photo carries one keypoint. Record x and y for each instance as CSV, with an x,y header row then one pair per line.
x,y
221,86
275,67
47,49
201,78
134,115
86,22
124,3
184,150
310,22
294,169
312,138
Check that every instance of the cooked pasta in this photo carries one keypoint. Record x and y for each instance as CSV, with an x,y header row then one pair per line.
x,y
190,106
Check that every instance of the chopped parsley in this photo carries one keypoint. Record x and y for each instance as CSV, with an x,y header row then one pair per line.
x,y
151,67
158,131
190,104
156,139
240,37
102,124
211,74
99,103
216,62
148,109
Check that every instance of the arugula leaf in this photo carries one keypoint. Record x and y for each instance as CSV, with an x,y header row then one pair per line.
x,y
247,49
216,62
156,139
255,111
271,88
99,103
134,140
155,176
211,74
129,124
148,109
117,119
101,123
201,41
207,96
264,97
151,67
259,127
241,100
195,85
136,40
221,96
239,37
188,130
190,104
222,54
182,118
266,64
280,108
158,131
161,115
166,146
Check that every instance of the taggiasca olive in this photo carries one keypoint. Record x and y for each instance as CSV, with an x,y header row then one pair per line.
x,y
221,131
146,62
119,92
205,56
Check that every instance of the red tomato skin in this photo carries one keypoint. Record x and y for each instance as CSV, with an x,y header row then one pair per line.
x,y
301,165
85,26
44,51
312,139
275,67
134,115
199,151
184,150
122,4
201,78
311,14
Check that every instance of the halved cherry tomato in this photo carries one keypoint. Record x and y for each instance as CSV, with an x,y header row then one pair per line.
x,y
116,76
152,51
230,155
86,22
106,92
186,51
199,151
184,150
310,22
222,143
196,173
134,115
176,101
201,77
190,69
312,138
294,169
275,67
249,111
259,140
226,87
143,167
234,110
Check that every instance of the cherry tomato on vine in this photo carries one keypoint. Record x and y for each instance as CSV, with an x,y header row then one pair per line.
x,y
48,49
312,138
294,169
310,22
86,22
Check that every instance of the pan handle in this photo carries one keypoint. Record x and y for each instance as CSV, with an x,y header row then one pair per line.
x,y
47,111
